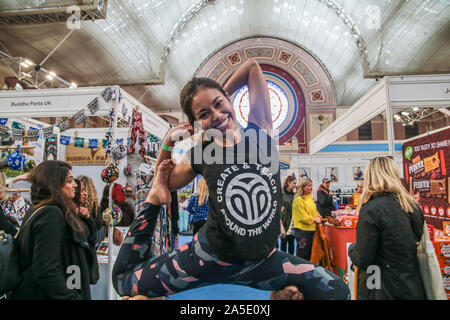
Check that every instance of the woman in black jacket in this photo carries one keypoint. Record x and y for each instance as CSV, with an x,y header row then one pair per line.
x,y
324,202
390,226
56,260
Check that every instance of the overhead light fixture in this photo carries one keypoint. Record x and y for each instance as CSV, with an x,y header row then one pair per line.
x,y
73,85
51,75
26,63
414,115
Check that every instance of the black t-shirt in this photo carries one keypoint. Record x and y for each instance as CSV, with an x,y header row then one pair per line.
x,y
244,194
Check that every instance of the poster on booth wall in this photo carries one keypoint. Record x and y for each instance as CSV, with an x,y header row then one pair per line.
x,y
426,164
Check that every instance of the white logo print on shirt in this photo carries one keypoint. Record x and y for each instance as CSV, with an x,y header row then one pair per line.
x,y
248,199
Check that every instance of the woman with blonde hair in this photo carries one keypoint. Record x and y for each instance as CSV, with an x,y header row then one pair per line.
x,y
198,205
305,217
390,226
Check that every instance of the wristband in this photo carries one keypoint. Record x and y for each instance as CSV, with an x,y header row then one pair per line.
x,y
167,148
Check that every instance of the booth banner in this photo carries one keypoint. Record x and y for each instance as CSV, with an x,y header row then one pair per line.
x,y
3,121
85,156
426,164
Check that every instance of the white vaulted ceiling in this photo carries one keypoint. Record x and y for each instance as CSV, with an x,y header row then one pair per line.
x,y
127,46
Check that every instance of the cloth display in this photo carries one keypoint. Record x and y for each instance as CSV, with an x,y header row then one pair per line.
x,y
163,240
51,148
118,193
320,252
137,134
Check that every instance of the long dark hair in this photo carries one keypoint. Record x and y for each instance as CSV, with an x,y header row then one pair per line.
x,y
48,179
77,198
190,89
288,180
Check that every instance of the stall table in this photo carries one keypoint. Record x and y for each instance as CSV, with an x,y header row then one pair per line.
x,y
339,237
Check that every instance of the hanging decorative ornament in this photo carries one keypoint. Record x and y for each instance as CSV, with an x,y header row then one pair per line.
x,y
16,160
4,158
80,117
112,215
128,170
93,106
118,151
110,173
128,190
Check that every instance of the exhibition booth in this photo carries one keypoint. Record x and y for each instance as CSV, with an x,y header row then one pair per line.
x,y
117,153
389,96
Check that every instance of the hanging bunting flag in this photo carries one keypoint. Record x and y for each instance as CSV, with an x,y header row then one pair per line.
x,y
65,140
17,125
119,140
32,134
64,125
17,134
93,143
79,142
3,121
48,132
107,94
93,106
105,143
4,131
80,117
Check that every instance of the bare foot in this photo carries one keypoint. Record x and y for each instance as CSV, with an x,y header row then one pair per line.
x,y
160,193
288,293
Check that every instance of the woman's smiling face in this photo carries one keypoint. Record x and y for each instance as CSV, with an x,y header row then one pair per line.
x,y
68,188
213,110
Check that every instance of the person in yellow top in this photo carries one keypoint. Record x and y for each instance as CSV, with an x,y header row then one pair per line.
x,y
305,218
355,197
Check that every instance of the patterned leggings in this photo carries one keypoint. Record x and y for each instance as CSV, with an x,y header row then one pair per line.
x,y
195,265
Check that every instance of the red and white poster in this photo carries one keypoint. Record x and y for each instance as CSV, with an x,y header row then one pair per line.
x,y
426,165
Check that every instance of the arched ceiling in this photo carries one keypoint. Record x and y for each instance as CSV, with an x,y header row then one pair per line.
x,y
128,46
